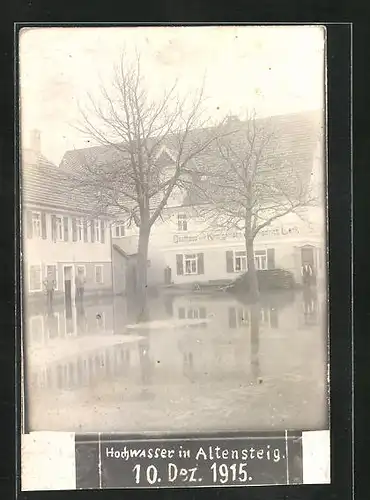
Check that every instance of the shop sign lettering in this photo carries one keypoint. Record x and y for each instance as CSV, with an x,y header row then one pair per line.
x,y
234,235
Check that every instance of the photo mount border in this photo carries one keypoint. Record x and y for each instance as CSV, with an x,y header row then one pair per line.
x,y
340,238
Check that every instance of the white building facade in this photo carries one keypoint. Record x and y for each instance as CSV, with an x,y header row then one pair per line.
x,y
59,236
198,254
184,249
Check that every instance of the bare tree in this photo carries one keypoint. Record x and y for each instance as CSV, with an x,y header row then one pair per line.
x,y
253,183
125,174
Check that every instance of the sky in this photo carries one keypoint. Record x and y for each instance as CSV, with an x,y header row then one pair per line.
x,y
273,70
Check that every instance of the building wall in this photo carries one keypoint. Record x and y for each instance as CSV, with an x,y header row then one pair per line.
x,y
285,237
45,249
120,265
91,286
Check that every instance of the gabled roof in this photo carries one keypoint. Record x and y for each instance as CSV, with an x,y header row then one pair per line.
x,y
288,161
44,185
298,135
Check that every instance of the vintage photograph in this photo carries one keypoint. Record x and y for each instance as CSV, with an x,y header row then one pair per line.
x,y
174,256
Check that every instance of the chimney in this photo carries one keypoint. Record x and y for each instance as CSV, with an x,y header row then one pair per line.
x,y
35,143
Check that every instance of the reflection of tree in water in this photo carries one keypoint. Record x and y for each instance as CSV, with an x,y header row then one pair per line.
x,y
137,305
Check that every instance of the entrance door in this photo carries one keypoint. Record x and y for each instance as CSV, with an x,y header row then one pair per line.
x,y
167,275
68,286
308,257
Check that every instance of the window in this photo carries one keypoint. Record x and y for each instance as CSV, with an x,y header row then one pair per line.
x,y
52,269
260,259
182,223
99,274
36,224
98,231
191,264
236,261
35,278
80,229
59,229
240,261
119,231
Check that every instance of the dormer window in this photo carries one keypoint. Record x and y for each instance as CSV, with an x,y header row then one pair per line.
x,y
182,222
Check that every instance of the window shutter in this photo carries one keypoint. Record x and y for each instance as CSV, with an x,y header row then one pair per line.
x,y
85,230
270,258
200,263
179,264
53,228
74,229
102,231
92,231
202,312
181,312
229,261
66,228
232,317
43,225
29,224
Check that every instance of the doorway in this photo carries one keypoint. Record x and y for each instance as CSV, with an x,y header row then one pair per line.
x,y
308,257
68,287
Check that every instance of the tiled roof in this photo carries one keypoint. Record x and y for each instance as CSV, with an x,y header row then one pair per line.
x,y
289,160
43,184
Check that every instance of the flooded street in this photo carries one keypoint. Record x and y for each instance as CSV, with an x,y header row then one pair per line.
x,y
200,362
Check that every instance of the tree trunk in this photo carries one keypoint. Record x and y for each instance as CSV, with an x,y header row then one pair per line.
x,y
142,273
252,273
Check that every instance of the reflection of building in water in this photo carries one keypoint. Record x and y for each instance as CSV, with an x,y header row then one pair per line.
x,y
71,322
86,368
224,311
311,307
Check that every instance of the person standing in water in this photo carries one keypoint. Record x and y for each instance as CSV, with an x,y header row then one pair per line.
x,y
50,285
307,274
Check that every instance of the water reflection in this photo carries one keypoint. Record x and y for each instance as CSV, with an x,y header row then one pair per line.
x,y
196,360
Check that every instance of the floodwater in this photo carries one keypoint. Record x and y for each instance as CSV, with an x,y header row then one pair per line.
x,y
199,363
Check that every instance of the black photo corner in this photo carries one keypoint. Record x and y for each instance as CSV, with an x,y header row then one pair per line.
x,y
345,219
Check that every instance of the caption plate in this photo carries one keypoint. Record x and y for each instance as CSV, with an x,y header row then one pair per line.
x,y
110,462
